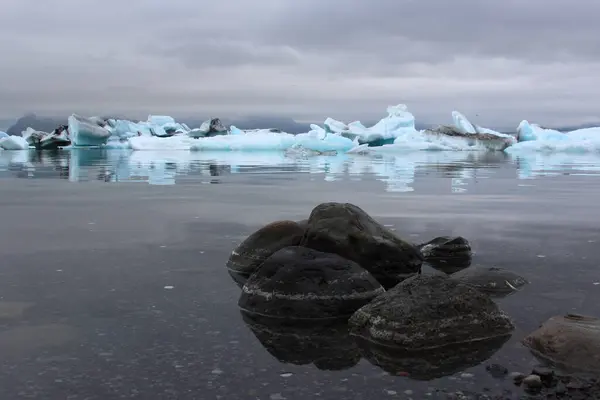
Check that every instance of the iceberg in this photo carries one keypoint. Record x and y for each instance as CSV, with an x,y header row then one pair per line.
x,y
398,122
13,143
86,131
395,133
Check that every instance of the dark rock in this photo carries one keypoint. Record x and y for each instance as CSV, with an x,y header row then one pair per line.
x,y
497,370
260,245
571,342
430,311
326,344
432,363
532,383
448,254
496,282
301,283
546,374
348,231
517,377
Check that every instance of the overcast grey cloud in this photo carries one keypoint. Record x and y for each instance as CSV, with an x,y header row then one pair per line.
x,y
496,61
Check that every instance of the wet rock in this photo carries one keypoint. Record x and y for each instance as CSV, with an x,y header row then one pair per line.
x,y
325,344
430,311
348,231
431,363
301,283
447,254
496,282
260,245
571,341
545,374
532,382
517,377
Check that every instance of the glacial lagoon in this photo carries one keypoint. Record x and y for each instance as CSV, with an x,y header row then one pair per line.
x,y
113,280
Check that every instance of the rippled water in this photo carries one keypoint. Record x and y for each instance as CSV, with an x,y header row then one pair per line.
x,y
113,284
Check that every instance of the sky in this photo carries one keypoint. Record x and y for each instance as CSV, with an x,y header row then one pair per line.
x,y
498,62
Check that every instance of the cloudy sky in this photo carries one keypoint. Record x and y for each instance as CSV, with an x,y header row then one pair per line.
x,y
498,62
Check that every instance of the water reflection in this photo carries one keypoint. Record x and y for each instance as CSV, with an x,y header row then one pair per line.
x,y
327,345
399,172
428,365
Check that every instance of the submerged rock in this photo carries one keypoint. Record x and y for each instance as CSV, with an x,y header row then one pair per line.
x,y
428,312
430,364
570,341
326,344
301,283
348,231
260,245
448,254
494,281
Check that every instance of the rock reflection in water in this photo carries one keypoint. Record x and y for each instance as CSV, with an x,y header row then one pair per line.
x,y
428,365
326,344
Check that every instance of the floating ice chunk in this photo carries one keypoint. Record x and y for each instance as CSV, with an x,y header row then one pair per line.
x,y
527,132
160,120
85,132
235,131
462,123
331,125
13,143
181,142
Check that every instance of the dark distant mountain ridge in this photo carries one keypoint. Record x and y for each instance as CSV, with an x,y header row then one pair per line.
x,y
48,124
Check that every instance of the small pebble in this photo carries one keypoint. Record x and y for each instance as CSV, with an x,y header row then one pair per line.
x,y
286,375
517,377
532,382
408,392
169,287
466,375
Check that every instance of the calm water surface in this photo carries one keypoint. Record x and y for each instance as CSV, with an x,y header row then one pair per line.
x,y
113,284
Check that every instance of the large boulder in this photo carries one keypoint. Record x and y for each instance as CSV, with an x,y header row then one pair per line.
x,y
301,283
260,245
570,341
325,344
348,231
430,311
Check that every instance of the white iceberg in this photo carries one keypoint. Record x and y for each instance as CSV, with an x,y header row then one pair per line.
x,y
13,143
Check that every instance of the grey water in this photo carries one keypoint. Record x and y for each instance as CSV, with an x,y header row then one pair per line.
x,y
113,282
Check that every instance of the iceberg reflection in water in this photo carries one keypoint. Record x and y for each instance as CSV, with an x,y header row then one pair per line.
x,y
399,172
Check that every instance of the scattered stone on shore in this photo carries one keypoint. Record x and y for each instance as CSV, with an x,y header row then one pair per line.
x,y
571,341
532,382
302,283
347,230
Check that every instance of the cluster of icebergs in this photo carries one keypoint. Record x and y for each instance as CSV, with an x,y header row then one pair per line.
x,y
394,133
